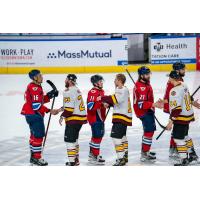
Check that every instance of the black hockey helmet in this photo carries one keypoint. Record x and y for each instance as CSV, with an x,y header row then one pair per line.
x,y
143,70
72,77
174,74
96,78
178,66
33,73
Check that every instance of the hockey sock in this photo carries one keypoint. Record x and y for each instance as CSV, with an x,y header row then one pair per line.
x,y
71,151
181,148
36,146
125,143
77,148
119,147
189,144
172,143
30,143
147,141
95,146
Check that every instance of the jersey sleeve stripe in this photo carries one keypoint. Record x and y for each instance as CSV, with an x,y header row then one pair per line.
x,y
114,99
69,109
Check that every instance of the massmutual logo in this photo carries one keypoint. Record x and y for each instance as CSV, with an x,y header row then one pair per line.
x,y
158,46
80,54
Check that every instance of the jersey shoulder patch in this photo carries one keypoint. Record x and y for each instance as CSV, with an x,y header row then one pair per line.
x,y
90,105
173,93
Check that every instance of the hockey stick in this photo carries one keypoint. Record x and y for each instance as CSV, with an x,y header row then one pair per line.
x,y
154,115
130,75
107,113
165,127
195,91
52,105
161,133
159,122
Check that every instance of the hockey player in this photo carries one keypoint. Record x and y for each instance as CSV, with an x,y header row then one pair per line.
x,y
34,111
74,114
180,68
181,114
122,117
144,107
96,112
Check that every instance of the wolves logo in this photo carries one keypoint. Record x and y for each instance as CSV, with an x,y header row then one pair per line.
x,y
142,88
35,88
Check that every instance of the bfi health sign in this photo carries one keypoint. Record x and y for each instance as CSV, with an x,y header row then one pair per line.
x,y
63,52
169,49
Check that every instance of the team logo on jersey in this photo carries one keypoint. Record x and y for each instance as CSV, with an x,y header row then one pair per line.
x,y
142,88
173,93
93,91
35,88
67,99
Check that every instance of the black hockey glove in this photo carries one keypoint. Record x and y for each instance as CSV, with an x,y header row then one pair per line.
x,y
52,94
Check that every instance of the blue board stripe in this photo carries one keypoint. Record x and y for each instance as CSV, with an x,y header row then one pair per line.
x,y
170,61
122,62
168,37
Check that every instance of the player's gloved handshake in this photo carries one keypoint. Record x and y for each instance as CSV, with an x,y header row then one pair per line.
x,y
196,104
106,105
159,104
56,111
52,94
169,125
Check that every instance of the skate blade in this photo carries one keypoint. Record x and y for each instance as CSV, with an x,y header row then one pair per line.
x,y
147,161
195,162
174,157
91,163
32,164
119,165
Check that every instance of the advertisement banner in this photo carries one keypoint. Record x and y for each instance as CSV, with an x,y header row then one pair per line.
x,y
63,52
198,53
167,50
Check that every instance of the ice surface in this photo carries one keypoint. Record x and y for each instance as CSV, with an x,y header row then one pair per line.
x,y
14,131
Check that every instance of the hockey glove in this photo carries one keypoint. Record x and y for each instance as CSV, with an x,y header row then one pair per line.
x,y
52,94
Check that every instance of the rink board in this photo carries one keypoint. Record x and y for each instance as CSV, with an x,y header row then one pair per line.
x,y
88,69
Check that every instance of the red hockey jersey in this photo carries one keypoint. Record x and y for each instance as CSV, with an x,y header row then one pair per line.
x,y
142,98
95,109
166,96
35,99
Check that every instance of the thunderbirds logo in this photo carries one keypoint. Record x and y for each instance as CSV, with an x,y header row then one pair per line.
x,y
80,54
